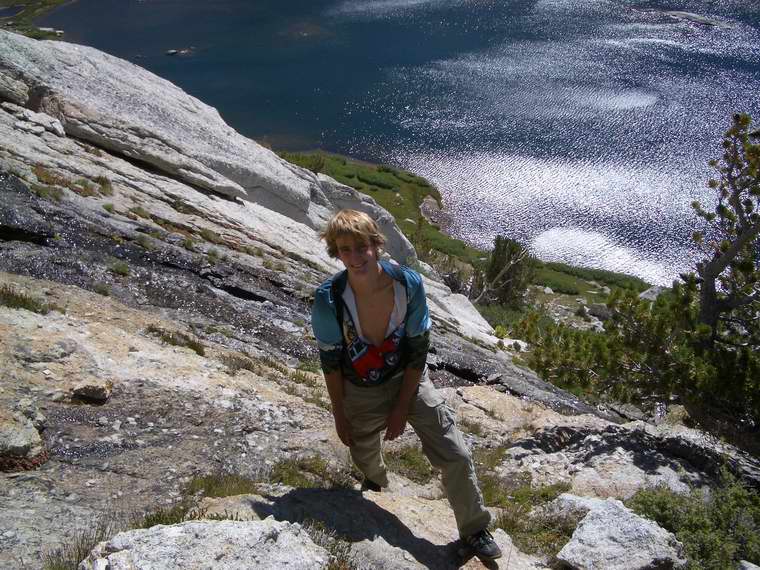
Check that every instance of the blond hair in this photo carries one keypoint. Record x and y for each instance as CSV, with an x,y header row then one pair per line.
x,y
351,223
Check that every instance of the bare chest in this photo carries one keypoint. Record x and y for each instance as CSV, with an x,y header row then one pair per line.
x,y
374,313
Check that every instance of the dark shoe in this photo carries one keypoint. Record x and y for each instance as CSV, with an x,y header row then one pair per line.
x,y
483,545
368,485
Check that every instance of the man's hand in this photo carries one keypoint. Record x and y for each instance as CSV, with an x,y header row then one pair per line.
x,y
343,428
396,422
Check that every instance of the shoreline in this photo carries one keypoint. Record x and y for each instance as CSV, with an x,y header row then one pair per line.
x,y
24,21
604,274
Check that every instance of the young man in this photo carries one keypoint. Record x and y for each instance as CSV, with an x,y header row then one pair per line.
x,y
372,325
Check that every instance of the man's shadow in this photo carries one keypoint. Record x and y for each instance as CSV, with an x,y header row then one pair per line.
x,y
354,518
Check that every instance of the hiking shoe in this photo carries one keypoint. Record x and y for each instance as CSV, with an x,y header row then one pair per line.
x,y
368,485
483,545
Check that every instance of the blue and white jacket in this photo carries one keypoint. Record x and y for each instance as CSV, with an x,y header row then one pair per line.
x,y
363,364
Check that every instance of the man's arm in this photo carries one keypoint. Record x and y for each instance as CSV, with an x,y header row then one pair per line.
x,y
400,411
334,381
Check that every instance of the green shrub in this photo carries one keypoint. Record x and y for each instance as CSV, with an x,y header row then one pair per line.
x,y
102,289
120,268
104,186
507,274
145,242
108,208
717,529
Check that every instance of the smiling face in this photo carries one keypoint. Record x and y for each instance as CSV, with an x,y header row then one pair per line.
x,y
359,256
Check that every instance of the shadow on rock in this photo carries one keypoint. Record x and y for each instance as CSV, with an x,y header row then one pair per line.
x,y
356,519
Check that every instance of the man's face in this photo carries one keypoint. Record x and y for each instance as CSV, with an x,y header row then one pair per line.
x,y
357,255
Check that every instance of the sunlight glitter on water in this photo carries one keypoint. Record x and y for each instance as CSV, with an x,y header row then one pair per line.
x,y
536,200
592,249
598,139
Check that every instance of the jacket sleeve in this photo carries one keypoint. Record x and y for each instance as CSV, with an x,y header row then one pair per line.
x,y
417,323
326,329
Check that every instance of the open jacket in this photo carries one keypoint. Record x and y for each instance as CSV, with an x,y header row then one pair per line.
x,y
361,363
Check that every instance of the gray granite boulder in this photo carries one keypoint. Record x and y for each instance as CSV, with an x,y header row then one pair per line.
x,y
612,537
209,545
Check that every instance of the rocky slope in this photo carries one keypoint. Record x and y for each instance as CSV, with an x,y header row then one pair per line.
x,y
176,260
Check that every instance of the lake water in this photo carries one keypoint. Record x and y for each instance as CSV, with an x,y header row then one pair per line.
x,y
581,127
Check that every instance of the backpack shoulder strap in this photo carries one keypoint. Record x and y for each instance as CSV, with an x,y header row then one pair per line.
x,y
336,290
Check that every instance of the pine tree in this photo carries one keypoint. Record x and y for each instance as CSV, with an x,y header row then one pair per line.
x,y
729,278
508,273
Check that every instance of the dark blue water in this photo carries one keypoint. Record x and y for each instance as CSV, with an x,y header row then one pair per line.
x,y
582,127
10,11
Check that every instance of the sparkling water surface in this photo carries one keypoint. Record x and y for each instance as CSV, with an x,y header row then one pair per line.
x,y
581,127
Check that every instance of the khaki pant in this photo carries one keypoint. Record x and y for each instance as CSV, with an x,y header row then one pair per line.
x,y
367,410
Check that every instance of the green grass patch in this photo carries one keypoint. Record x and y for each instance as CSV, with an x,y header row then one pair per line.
x,y
48,177
211,236
601,276
145,242
410,462
237,362
47,192
532,529
184,208
570,280
23,22
310,473
176,338
108,208
312,366
140,212
13,299
167,516
222,485
75,549
338,547
84,188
